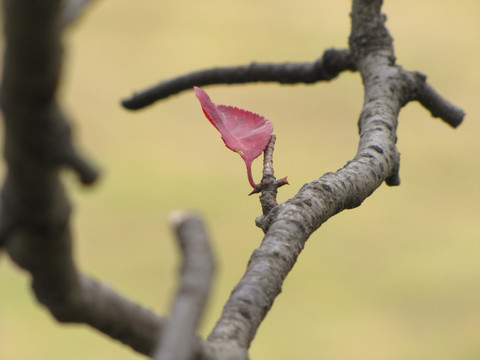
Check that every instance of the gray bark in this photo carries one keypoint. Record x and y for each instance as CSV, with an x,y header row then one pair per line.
x,y
35,210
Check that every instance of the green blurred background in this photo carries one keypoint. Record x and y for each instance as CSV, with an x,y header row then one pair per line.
x,y
397,278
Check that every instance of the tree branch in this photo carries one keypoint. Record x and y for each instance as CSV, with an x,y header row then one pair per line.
x,y
34,223
35,211
326,68
436,104
269,184
289,225
34,208
195,283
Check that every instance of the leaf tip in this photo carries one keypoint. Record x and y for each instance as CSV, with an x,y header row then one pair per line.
x,y
199,92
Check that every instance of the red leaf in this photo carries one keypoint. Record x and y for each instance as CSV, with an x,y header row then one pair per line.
x,y
242,131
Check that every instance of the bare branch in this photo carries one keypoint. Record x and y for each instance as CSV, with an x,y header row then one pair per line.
x,y
35,211
195,283
326,68
268,158
74,298
269,184
437,105
289,225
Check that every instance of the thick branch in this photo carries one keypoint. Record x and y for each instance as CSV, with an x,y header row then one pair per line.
x,y
288,226
195,283
35,210
326,68
34,207
75,298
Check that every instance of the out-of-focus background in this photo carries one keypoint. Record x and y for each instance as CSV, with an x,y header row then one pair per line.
x,y
397,278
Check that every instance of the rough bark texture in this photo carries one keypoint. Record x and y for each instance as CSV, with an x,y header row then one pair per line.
x,y
289,225
34,218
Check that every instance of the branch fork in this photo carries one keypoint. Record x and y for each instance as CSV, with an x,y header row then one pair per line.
x,y
40,240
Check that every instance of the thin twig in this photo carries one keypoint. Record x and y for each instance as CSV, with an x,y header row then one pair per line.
x,y
269,184
195,282
326,68
268,157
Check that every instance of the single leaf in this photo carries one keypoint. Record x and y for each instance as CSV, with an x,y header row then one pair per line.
x,y
242,131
